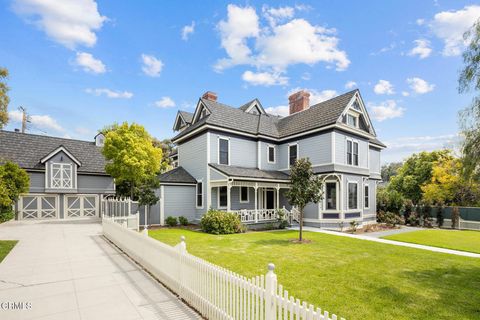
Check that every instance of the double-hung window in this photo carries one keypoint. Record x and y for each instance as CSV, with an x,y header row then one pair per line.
x,y
352,120
331,196
223,151
352,152
61,176
292,154
352,195
366,195
271,154
244,194
222,197
199,194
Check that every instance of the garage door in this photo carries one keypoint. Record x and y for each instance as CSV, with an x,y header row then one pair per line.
x,y
81,206
38,207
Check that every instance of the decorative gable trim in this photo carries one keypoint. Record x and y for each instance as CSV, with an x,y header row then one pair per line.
x,y
363,111
60,149
179,122
198,110
256,104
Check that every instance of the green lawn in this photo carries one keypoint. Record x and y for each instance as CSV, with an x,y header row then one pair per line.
x,y
450,239
5,247
352,278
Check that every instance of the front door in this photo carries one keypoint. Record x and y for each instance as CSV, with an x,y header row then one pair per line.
x,y
269,199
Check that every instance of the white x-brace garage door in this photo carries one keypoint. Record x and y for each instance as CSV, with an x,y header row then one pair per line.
x,y
38,207
80,206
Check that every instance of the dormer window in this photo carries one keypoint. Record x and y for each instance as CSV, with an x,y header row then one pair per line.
x,y
352,120
61,176
100,140
203,114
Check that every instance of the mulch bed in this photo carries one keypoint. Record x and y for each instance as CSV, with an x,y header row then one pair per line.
x,y
373,228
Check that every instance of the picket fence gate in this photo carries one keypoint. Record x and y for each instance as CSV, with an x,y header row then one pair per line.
x,y
215,292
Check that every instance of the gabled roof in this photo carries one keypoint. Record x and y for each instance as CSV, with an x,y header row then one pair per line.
x,y
60,149
177,175
247,107
249,173
187,116
27,150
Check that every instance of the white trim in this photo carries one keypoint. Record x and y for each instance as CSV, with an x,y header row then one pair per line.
x,y
179,115
258,105
195,114
54,152
208,190
240,194
81,200
162,206
196,194
298,152
274,153
218,149
38,199
348,196
358,153
259,154
337,196
177,184
333,147
61,171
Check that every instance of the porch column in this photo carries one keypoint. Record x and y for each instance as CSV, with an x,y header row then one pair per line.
x,y
229,187
278,196
256,206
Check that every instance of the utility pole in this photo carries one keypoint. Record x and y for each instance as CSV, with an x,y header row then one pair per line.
x,y
24,119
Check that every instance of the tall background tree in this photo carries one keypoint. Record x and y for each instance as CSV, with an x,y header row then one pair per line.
x,y
469,80
4,99
390,170
133,161
305,187
167,148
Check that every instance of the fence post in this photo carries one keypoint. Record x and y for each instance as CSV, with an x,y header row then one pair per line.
x,y
182,249
270,291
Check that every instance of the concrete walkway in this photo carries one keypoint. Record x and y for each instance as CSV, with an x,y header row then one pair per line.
x,y
396,243
67,270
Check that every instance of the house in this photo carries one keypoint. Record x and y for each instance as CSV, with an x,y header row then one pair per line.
x,y
238,159
67,177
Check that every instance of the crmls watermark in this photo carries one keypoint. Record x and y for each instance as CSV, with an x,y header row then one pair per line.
x,y
19,305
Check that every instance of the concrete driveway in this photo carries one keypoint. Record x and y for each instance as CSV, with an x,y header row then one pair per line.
x,y
67,270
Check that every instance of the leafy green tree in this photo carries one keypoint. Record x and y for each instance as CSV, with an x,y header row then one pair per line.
x,y
390,170
470,117
4,99
167,147
305,187
133,160
13,182
415,172
389,200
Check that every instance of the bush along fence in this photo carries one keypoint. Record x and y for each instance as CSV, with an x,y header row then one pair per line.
x,y
215,292
467,218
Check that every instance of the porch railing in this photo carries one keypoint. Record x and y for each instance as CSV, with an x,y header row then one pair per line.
x,y
249,216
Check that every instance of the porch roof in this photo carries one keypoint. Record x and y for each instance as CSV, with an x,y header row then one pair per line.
x,y
177,175
250,173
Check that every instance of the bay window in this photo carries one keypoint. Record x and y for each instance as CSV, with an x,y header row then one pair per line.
x,y
352,195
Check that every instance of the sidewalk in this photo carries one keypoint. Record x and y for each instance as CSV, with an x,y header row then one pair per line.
x,y
67,270
396,243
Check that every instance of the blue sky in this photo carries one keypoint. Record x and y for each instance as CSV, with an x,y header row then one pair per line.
x,y
78,67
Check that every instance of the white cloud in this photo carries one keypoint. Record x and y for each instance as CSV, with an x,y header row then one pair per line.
x,y
151,65
419,85
405,93
282,111
84,131
383,87
89,63
165,102
264,78
110,93
70,23
420,22
277,45
188,30
38,121
402,147
450,26
422,49
350,85
386,110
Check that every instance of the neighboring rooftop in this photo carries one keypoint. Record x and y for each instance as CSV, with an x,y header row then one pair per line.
x,y
177,175
28,149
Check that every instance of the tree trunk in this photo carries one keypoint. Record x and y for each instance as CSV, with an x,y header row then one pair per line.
x,y
300,235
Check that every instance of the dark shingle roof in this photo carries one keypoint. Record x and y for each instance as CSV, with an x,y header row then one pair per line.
x,y
177,175
241,172
187,116
28,149
378,142
320,115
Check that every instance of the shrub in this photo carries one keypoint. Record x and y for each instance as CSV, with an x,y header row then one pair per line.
x,y
183,221
389,200
171,221
389,218
427,215
413,219
353,226
282,220
440,217
221,222
408,209
6,216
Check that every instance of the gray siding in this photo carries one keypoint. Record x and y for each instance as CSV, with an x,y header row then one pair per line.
x,y
37,182
243,152
192,156
341,149
311,211
317,148
179,201
95,184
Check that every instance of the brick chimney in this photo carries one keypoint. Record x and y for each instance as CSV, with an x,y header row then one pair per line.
x,y
299,101
209,95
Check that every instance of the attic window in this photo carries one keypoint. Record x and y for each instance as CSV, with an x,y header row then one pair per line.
x,y
352,120
356,106
203,114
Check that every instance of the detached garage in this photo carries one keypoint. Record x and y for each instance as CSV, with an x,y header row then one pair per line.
x,y
67,177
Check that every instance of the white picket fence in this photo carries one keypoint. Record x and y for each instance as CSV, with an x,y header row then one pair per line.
x,y
463,224
215,292
120,210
